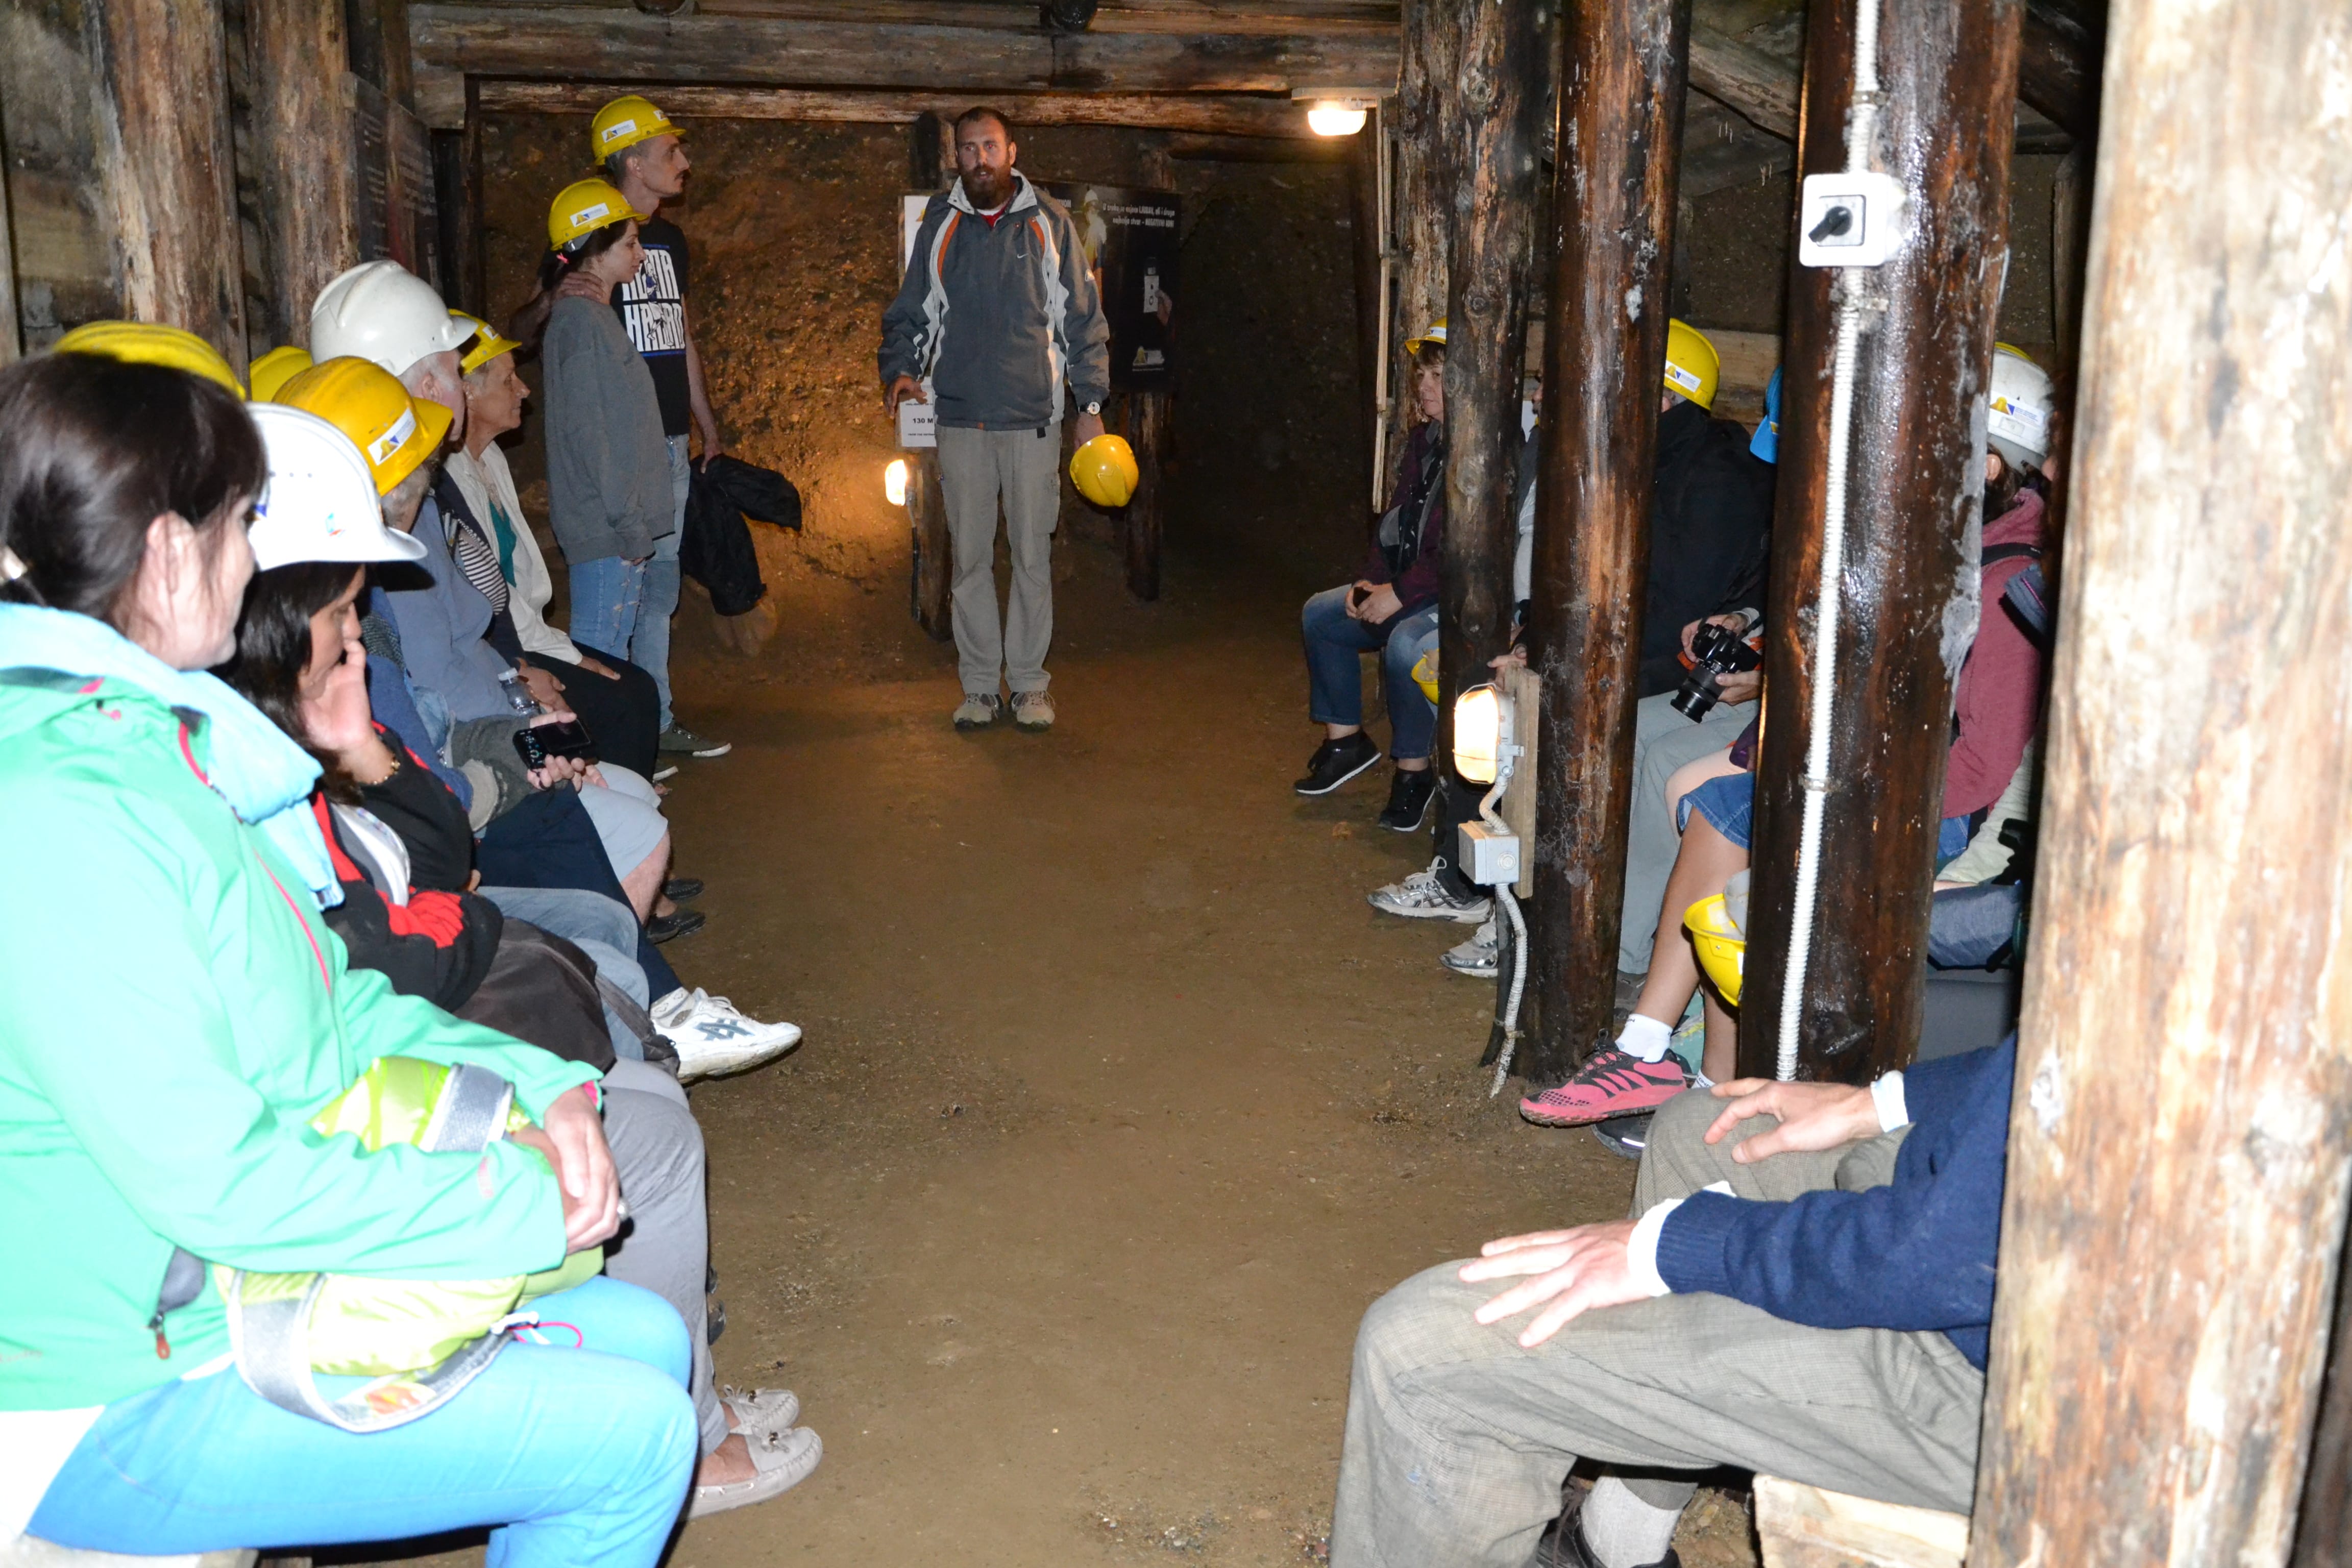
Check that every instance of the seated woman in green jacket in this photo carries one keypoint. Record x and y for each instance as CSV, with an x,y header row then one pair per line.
x,y
176,1011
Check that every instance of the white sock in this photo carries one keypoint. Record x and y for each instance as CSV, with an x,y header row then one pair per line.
x,y
1645,1037
1699,1078
1620,1530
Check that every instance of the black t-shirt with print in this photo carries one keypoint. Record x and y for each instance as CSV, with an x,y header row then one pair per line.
x,y
651,306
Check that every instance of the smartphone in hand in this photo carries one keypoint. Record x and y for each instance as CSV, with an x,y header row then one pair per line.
x,y
539,742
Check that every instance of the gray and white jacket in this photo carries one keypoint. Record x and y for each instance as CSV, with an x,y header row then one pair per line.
x,y
998,315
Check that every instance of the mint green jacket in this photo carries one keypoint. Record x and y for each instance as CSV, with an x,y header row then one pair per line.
x,y
173,1010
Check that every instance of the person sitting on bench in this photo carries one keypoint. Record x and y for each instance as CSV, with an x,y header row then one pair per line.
x,y
1805,1290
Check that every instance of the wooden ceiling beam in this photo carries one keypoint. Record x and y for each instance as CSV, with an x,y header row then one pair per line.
x,y
1197,112
569,42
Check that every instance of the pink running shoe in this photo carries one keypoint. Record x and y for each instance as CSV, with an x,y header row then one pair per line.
x,y
1611,1084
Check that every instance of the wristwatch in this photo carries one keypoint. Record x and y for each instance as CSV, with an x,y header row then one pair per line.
x,y
1092,408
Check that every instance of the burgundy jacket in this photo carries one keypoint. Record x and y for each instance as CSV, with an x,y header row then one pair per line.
x,y
1998,700
1420,475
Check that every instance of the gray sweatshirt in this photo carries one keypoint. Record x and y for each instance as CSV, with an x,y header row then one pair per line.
x,y
998,315
608,489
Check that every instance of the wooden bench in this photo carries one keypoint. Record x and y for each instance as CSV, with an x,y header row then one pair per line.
x,y
25,1551
1801,1526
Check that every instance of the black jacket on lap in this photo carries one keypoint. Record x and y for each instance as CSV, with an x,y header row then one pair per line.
x,y
1707,525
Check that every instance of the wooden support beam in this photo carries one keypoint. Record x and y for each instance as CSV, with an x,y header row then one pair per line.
x,y
1801,1526
2058,65
1145,418
1751,82
1211,114
2178,1146
571,42
166,175
2323,1531
1916,482
1369,17
1497,99
1196,147
1614,201
1422,233
297,158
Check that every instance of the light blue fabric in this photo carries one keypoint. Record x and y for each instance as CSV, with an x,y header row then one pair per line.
x,y
649,645
265,777
1767,443
573,1455
441,630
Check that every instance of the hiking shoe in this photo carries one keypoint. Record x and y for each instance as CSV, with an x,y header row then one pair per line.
x,y
679,888
1610,1084
679,738
1409,798
712,1039
782,1460
760,1410
1624,1135
1424,896
677,924
1335,761
1481,957
1033,711
978,710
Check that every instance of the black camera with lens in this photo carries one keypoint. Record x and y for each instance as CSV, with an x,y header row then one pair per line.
x,y
1716,652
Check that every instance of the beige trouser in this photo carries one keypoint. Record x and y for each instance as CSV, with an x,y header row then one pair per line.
x,y
1458,1441
1023,468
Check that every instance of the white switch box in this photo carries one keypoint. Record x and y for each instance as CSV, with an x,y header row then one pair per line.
x,y
1489,858
1849,220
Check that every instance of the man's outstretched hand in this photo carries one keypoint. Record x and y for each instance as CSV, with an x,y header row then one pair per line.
x,y
1813,1116
1575,1270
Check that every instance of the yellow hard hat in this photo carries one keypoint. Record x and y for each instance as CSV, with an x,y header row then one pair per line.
x,y
582,207
149,343
393,431
1437,334
625,122
273,370
484,346
1105,472
1692,364
1425,674
1722,949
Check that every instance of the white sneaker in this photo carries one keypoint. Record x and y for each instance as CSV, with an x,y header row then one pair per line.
x,y
1479,958
712,1039
1422,897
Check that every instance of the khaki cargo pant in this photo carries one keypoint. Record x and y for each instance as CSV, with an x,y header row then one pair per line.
x,y
1458,1441
1023,468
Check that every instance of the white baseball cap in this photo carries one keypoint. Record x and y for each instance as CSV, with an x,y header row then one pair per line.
x,y
320,503
381,312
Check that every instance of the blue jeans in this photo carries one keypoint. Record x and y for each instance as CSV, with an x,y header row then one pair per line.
x,y
607,605
571,1456
651,652
1335,682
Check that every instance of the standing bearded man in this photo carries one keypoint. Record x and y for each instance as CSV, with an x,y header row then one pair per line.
x,y
998,308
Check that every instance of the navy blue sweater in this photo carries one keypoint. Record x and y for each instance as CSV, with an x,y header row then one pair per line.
x,y
1915,1254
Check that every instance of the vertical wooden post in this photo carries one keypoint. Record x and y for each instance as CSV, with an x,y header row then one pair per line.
x,y
377,31
1613,205
297,147
2323,1535
1147,420
1498,101
1429,47
2178,1150
167,176
1367,210
928,154
931,161
2070,233
1915,489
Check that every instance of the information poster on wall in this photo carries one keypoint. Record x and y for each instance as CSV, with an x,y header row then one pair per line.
x,y
394,162
1130,241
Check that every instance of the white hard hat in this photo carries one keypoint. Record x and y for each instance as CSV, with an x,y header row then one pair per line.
x,y
321,502
2018,423
383,312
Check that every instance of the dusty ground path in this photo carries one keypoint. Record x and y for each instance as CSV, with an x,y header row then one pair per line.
x,y
1117,1103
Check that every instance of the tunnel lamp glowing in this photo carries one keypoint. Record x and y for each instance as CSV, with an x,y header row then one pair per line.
x,y
894,481
1333,118
1482,734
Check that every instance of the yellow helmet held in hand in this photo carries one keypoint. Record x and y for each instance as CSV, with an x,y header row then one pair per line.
x,y
149,343
1692,364
273,370
582,207
393,431
1722,948
1425,674
1105,472
484,346
625,122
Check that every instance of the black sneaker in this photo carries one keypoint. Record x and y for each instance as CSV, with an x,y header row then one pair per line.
x,y
1335,761
677,924
1409,798
679,888
1626,1135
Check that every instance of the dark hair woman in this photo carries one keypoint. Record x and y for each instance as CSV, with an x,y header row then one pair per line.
x,y
176,1012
